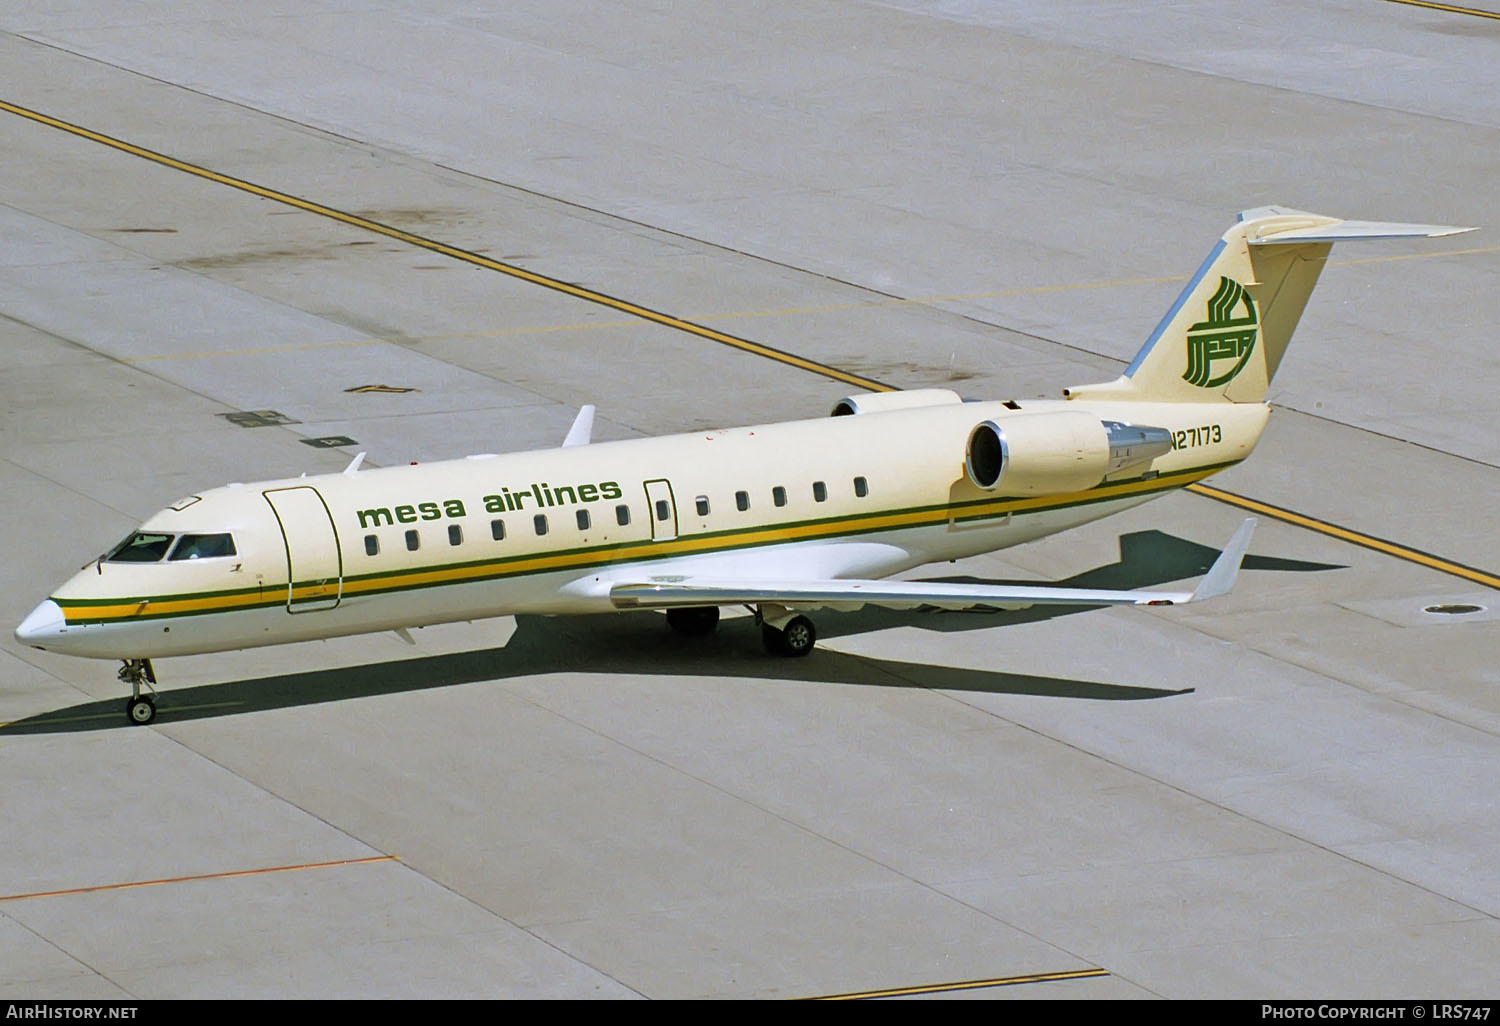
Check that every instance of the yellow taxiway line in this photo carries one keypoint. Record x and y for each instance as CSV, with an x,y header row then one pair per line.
x,y
941,988
636,310
1368,541
1448,8
789,311
201,876
444,249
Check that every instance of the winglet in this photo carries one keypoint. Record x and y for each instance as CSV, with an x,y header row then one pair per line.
x,y
582,429
1220,576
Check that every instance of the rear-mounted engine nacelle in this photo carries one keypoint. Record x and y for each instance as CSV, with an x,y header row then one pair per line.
x,y
1132,445
882,402
1053,453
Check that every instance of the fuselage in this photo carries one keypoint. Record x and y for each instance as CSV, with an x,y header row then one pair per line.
x,y
552,531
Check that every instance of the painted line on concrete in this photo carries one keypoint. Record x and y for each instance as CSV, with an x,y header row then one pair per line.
x,y
745,345
201,876
444,249
1447,8
1368,541
788,311
961,985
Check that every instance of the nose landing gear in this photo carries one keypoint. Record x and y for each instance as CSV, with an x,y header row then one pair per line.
x,y
139,709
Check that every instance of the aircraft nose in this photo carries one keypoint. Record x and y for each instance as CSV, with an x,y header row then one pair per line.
x,y
42,625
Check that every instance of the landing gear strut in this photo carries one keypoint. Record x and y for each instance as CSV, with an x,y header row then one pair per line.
x,y
139,709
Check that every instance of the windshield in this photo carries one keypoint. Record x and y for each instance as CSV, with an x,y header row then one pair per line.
x,y
202,546
140,548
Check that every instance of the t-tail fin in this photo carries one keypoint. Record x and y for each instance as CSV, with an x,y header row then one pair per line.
x,y
1224,337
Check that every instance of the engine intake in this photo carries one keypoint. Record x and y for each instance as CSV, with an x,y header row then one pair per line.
x,y
1054,453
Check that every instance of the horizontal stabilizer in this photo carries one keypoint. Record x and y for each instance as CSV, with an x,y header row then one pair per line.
x,y
840,594
1349,231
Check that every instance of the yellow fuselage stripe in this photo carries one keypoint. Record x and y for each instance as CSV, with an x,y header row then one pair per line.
x,y
275,595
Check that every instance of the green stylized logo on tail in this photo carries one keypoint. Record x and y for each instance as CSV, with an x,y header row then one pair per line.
x,y
1223,336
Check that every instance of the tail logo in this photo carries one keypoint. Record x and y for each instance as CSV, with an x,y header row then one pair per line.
x,y
1223,336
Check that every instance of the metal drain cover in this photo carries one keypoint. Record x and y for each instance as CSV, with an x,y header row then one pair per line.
x,y
1431,610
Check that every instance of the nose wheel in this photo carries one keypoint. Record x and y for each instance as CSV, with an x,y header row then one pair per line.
x,y
139,709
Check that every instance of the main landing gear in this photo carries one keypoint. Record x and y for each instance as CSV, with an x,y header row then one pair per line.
x,y
783,632
795,638
139,709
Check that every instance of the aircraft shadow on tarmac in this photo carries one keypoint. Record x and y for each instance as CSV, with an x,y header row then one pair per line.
x,y
639,643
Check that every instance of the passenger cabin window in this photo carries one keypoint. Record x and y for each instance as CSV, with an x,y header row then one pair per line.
x,y
455,534
540,521
497,530
820,491
140,548
778,495
372,545
583,519
622,515
861,487
702,501
413,541
202,546
742,501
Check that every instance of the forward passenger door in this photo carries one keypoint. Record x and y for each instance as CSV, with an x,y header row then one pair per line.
x,y
315,566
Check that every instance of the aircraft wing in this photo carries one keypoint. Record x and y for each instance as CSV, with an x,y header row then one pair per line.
x,y
687,590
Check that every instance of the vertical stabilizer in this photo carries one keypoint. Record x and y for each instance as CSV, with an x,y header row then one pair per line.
x,y
1224,337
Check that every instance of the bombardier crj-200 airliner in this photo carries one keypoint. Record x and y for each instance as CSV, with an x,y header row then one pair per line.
x,y
782,518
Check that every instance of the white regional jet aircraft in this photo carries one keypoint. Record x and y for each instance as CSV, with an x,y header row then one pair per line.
x,y
780,517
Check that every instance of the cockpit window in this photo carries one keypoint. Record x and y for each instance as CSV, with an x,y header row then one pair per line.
x,y
202,546
140,548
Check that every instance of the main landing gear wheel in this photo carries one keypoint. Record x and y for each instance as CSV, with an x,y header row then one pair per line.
x,y
139,709
694,621
796,639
